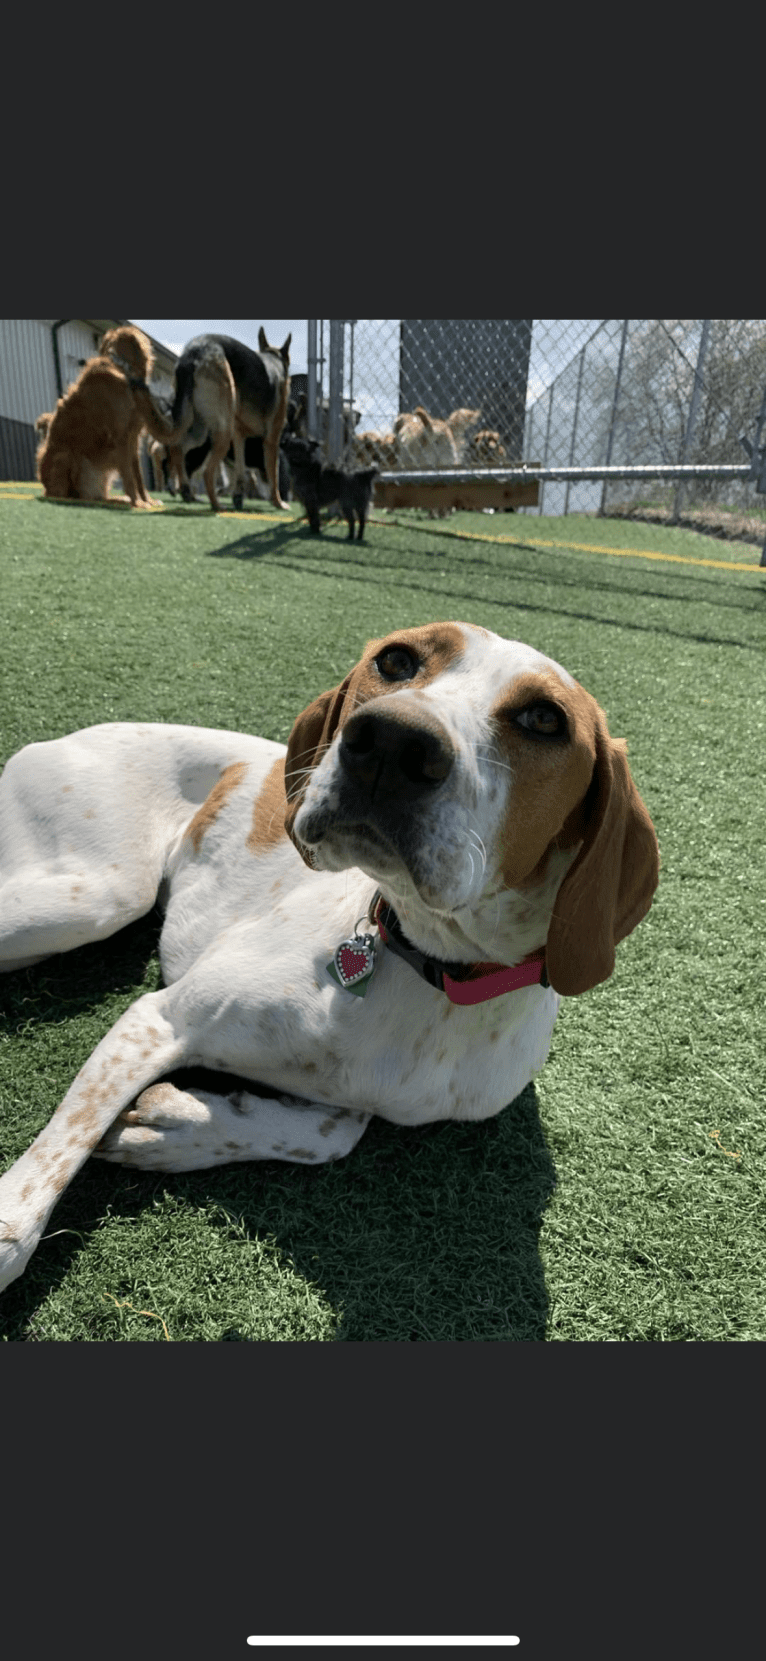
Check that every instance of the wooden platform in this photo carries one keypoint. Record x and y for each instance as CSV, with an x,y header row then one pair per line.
x,y
479,493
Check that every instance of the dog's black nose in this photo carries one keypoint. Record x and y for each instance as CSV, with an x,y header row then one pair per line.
x,y
387,756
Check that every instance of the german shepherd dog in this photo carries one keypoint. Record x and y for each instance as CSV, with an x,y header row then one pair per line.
x,y
235,393
254,455
317,485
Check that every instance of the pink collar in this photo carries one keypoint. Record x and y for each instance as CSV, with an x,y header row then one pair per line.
x,y
464,983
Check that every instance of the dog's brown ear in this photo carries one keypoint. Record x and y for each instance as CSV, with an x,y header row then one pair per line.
x,y
309,740
284,351
262,341
610,886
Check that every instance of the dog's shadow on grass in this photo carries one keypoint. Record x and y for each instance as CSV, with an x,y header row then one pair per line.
x,y
429,1234
292,536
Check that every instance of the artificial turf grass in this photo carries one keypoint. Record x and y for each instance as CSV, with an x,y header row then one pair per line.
x,y
646,1108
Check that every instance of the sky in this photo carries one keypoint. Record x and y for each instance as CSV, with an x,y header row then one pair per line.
x,y
376,364
174,332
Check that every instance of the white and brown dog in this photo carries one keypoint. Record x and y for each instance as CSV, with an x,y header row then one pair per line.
x,y
378,919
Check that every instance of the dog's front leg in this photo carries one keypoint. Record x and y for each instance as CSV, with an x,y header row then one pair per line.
x,y
146,1041
134,483
189,1130
271,464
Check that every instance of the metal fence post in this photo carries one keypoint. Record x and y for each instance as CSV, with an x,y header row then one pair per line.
x,y
311,384
574,426
335,413
693,408
610,439
547,438
348,435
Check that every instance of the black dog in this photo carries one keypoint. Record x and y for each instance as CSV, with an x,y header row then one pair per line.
x,y
253,458
318,485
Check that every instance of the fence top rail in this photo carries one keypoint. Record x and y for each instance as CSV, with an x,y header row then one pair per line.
x,y
530,474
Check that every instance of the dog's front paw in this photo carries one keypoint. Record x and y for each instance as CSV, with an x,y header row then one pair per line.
x,y
170,1130
15,1253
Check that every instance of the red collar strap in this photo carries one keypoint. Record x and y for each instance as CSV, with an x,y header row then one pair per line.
x,y
464,983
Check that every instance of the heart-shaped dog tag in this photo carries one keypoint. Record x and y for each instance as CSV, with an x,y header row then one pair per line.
x,y
353,963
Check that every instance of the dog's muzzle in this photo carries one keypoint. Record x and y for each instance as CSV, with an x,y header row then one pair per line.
x,y
388,761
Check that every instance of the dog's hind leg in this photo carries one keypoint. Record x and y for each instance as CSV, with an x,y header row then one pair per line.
x,y
217,453
271,441
215,404
177,465
151,1038
56,476
238,491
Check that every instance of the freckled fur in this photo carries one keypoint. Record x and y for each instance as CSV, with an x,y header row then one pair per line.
x,y
515,846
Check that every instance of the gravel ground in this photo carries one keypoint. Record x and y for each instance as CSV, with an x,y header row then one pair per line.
x,y
726,523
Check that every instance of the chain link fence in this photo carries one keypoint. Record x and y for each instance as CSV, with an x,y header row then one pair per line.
x,y
628,414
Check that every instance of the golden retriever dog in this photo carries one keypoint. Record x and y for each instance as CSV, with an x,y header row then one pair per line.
x,y
423,442
95,428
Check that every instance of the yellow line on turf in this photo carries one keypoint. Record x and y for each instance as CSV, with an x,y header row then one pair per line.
x,y
600,548
22,495
14,494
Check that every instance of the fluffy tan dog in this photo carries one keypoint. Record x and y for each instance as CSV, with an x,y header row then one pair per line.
x,y
94,430
485,449
425,442
375,450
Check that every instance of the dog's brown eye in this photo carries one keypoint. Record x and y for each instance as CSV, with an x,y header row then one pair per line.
x,y
397,664
542,719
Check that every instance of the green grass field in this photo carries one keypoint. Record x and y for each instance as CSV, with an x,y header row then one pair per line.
x,y
621,1196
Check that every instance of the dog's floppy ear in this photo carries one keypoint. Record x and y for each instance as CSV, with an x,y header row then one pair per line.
x,y
610,886
309,740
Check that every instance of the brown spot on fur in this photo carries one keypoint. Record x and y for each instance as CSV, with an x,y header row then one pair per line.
x,y
550,779
269,807
435,645
301,1153
207,814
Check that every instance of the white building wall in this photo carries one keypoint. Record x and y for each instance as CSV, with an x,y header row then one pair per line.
x,y
27,372
27,368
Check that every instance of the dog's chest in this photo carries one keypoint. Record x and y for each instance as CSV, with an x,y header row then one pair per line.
x,y
269,1009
